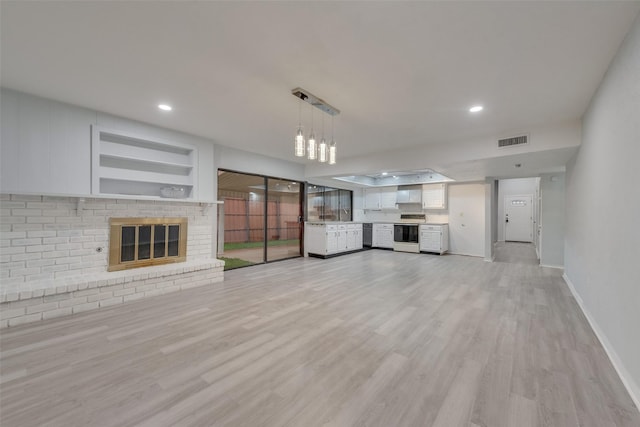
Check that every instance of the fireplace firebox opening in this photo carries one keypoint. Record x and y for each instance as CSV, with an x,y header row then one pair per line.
x,y
142,242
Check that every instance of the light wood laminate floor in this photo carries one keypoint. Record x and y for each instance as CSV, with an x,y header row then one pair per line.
x,y
516,253
376,338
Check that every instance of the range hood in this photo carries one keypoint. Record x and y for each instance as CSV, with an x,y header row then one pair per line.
x,y
409,194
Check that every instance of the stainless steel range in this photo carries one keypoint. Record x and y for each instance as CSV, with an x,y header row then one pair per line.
x,y
406,232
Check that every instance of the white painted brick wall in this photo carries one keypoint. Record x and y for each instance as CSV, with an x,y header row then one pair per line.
x,y
43,304
44,240
49,266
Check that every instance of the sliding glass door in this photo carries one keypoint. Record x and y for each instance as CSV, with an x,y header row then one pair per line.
x,y
284,228
259,220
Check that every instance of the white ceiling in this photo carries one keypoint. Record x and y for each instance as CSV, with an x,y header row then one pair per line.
x,y
403,73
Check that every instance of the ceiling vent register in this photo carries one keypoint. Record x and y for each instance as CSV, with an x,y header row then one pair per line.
x,y
515,140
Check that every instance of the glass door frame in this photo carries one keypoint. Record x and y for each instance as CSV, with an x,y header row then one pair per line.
x,y
301,211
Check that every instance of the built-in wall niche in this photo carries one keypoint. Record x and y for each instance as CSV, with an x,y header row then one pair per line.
x,y
134,165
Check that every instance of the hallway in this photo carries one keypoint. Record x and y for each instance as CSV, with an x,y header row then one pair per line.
x,y
516,253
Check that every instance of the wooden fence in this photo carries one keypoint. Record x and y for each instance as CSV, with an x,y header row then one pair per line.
x,y
244,220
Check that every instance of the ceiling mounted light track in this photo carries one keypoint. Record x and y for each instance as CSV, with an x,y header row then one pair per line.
x,y
315,101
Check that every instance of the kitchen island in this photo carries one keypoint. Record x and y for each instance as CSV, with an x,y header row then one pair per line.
x,y
328,239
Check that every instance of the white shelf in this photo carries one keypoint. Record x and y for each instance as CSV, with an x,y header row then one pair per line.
x,y
121,174
121,151
136,166
121,197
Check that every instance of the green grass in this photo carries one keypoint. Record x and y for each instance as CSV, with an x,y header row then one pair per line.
x,y
231,263
248,245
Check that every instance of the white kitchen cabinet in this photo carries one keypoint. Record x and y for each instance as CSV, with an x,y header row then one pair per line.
x,y
124,163
434,196
409,195
388,197
382,236
354,237
434,238
380,198
324,239
342,237
331,235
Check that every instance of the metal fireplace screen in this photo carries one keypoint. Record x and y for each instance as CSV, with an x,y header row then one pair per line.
x,y
141,242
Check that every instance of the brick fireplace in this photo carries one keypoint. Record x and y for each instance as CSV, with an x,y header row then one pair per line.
x,y
54,258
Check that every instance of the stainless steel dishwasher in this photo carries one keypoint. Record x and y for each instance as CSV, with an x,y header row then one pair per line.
x,y
367,234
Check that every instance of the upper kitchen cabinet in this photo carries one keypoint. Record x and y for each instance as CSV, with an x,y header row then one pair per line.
x,y
409,194
380,198
434,196
128,164
388,197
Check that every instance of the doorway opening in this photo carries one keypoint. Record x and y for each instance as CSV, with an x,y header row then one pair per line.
x,y
518,216
260,220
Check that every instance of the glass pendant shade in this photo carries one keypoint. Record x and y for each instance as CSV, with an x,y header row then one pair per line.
x,y
299,143
332,152
312,148
322,151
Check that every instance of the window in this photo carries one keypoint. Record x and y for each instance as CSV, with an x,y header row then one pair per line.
x,y
141,242
328,204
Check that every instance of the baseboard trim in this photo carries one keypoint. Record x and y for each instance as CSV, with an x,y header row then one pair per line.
x,y
632,388
561,267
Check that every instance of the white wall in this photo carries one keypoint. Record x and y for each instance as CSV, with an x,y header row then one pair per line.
x,y
244,161
467,219
45,146
491,217
552,220
514,187
602,211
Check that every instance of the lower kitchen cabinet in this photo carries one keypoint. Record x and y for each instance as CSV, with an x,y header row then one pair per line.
x,y
329,239
434,238
382,236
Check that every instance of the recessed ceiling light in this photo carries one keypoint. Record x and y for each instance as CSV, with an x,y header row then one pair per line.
x,y
385,173
476,108
165,107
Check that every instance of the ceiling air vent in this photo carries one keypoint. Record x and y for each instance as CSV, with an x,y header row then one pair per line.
x,y
510,142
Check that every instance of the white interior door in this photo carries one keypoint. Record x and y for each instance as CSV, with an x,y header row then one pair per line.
x,y
518,218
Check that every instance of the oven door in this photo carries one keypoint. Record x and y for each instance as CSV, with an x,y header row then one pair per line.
x,y
405,233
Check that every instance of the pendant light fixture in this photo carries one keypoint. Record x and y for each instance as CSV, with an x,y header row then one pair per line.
x,y
323,152
312,148
299,140
332,152
332,147
300,143
322,148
